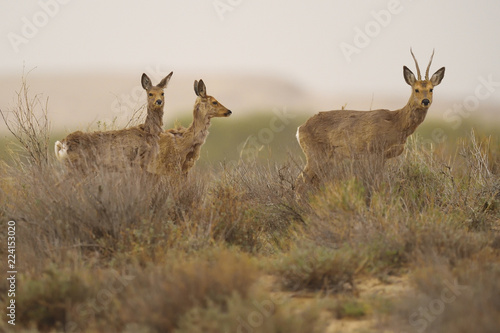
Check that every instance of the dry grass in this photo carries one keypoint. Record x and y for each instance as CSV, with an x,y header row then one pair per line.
x,y
123,251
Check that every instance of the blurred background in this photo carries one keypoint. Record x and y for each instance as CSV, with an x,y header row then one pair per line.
x,y
273,63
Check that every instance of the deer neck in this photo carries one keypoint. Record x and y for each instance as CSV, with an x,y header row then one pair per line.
x,y
199,126
154,121
410,117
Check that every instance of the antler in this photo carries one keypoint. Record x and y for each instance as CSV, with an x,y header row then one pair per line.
x,y
429,66
416,64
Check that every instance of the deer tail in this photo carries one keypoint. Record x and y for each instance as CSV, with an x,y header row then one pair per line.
x,y
61,150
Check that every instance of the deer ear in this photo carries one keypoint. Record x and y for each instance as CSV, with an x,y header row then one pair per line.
x,y
437,77
409,76
146,82
202,89
196,88
163,83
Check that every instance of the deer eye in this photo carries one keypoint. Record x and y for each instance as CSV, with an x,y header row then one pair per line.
x,y
214,103
162,94
417,91
431,90
150,94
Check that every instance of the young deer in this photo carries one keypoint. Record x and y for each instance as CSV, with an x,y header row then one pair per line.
x,y
131,146
180,147
335,135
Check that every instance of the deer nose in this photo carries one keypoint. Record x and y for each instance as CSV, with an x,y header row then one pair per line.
x,y
228,112
426,102
159,101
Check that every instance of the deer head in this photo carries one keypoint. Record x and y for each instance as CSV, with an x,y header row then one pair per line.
x,y
156,97
208,106
421,96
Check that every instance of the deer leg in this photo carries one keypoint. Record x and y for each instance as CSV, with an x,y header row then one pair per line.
x,y
303,182
309,176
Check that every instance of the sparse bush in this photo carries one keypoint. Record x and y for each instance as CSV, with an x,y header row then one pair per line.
x,y
317,268
235,220
30,126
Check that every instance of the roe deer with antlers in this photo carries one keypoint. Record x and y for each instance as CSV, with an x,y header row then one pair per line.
x,y
180,147
131,146
336,135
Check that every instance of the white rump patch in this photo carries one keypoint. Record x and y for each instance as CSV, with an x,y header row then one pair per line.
x,y
61,150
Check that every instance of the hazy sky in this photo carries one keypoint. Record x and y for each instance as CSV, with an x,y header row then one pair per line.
x,y
325,46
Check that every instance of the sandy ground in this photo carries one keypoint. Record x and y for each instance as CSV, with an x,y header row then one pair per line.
x,y
392,287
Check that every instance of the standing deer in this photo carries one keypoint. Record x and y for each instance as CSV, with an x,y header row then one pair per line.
x,y
180,147
340,134
131,146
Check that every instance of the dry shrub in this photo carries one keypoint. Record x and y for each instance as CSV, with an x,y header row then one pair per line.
x,y
70,298
419,181
76,298
235,220
30,125
387,237
480,184
56,211
367,169
466,299
261,314
160,296
420,208
48,300
133,212
317,268
251,209
336,213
